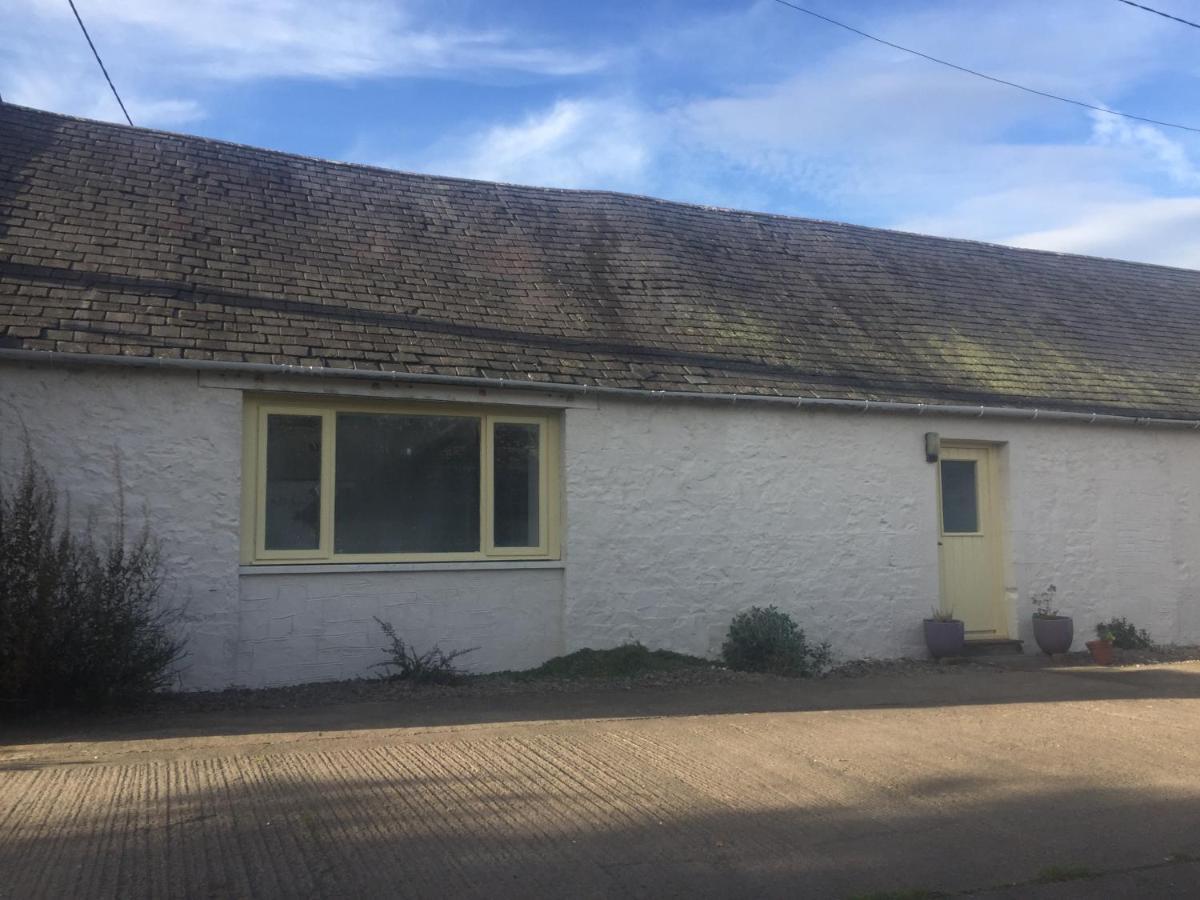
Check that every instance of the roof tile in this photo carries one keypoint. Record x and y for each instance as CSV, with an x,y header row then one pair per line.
x,y
145,243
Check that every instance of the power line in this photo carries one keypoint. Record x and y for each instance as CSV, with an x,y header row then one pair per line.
x,y
977,74
1159,12
96,53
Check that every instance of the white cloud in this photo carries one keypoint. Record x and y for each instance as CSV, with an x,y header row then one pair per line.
x,y
862,116
164,113
1158,230
1150,144
62,90
235,39
574,143
167,54
884,138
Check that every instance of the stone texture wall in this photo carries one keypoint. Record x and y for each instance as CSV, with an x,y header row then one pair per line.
x,y
179,453
317,627
680,515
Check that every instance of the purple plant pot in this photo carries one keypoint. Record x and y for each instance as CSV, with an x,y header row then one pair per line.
x,y
1053,635
944,638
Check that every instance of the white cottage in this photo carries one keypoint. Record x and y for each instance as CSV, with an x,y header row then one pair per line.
x,y
535,420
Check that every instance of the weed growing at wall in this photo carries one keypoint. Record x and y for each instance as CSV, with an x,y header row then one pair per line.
x,y
81,623
434,666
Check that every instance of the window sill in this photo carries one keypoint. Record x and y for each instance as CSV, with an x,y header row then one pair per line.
x,y
356,568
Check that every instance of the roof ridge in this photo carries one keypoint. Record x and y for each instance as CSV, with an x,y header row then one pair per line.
x,y
605,193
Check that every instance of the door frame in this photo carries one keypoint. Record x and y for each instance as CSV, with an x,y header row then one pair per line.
x,y
996,511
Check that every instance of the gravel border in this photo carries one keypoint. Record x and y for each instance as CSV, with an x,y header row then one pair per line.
x,y
860,668
368,690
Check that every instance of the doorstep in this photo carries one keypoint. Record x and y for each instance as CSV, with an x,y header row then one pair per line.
x,y
994,647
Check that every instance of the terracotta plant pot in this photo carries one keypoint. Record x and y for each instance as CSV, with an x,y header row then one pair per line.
x,y
1102,652
1053,634
944,638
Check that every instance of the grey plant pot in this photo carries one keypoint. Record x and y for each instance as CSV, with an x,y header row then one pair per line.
x,y
944,638
1054,635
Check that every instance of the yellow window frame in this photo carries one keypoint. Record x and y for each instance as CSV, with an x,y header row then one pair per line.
x,y
254,482
543,546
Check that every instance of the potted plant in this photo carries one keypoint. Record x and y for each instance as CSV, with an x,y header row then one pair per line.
x,y
1102,648
944,634
1125,635
1053,632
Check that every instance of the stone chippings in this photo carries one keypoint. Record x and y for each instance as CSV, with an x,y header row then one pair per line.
x,y
374,690
133,242
501,685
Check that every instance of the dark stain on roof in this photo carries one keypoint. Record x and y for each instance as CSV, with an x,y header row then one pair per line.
x,y
126,241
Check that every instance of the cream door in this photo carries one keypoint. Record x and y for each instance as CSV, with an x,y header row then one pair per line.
x,y
969,543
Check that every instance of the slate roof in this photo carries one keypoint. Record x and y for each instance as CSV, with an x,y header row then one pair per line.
x,y
115,240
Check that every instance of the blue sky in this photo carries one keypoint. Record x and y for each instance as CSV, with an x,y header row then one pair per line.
x,y
747,104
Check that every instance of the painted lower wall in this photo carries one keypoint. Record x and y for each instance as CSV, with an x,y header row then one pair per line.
x,y
678,515
297,628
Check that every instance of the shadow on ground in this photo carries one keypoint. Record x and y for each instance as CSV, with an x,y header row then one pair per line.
x,y
436,707
540,819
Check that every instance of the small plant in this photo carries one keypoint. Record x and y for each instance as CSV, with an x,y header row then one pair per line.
x,y
434,666
767,640
941,615
1124,634
1043,603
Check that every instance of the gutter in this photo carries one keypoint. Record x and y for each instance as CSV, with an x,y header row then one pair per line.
x,y
979,411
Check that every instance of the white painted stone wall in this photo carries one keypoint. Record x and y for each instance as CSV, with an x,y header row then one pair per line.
x,y
179,453
179,448
678,516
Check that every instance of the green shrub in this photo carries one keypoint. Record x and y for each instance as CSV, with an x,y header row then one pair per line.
x,y
81,623
767,640
1124,634
434,666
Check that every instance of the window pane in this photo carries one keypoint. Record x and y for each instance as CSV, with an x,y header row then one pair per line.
x,y
960,502
406,484
516,483
293,483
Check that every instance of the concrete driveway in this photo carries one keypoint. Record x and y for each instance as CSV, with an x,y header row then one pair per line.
x,y
961,782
